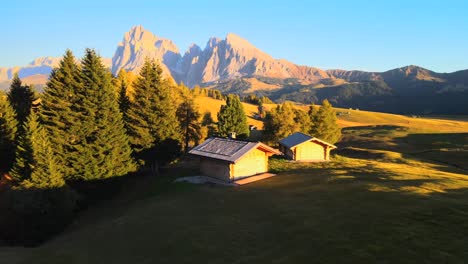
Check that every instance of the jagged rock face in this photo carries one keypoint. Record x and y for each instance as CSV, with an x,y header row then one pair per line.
x,y
191,67
221,59
138,44
235,57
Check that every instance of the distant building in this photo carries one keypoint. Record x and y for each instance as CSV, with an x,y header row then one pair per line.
x,y
302,147
229,159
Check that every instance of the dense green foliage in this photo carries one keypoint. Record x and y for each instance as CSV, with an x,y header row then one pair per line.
x,y
152,114
103,149
232,118
324,125
60,112
21,98
35,165
8,129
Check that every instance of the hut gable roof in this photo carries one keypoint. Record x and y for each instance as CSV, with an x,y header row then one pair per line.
x,y
228,149
299,138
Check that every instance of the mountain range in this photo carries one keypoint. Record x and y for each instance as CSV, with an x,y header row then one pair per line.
x,y
234,65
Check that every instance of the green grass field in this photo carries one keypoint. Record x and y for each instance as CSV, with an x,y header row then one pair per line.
x,y
350,210
392,194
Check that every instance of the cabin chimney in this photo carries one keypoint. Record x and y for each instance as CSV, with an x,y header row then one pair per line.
x,y
232,135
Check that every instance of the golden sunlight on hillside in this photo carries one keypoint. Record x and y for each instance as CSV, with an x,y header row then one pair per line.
x,y
348,117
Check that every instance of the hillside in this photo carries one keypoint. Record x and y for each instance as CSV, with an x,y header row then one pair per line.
x,y
387,196
349,118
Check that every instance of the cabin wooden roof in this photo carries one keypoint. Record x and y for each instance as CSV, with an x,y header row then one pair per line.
x,y
228,149
299,138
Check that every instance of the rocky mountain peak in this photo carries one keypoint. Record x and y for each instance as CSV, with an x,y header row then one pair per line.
x,y
138,44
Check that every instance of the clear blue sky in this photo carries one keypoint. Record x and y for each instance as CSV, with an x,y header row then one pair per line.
x,y
365,35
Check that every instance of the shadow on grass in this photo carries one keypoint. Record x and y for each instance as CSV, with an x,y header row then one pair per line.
x,y
446,151
309,213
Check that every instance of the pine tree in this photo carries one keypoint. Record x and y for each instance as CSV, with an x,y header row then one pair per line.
x,y
232,118
8,129
188,116
102,150
324,125
35,164
59,111
20,98
152,114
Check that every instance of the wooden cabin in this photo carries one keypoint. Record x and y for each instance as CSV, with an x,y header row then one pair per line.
x,y
302,147
229,159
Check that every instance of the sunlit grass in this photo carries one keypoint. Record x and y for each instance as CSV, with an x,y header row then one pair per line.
x,y
355,118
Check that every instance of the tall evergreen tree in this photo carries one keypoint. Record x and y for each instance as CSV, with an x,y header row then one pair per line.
x,y
35,164
152,114
188,116
232,118
21,98
60,113
8,129
102,150
324,125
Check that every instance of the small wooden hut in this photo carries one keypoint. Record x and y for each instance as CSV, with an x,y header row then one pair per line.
x,y
302,147
229,159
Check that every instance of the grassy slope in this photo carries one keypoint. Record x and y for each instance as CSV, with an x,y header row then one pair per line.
x,y
355,118
380,200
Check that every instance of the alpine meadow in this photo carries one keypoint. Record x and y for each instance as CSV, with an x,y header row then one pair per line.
x,y
227,152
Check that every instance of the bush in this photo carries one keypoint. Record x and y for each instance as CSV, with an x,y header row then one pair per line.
x,y
31,216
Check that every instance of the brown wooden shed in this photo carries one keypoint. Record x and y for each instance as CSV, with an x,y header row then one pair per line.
x,y
302,147
229,159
